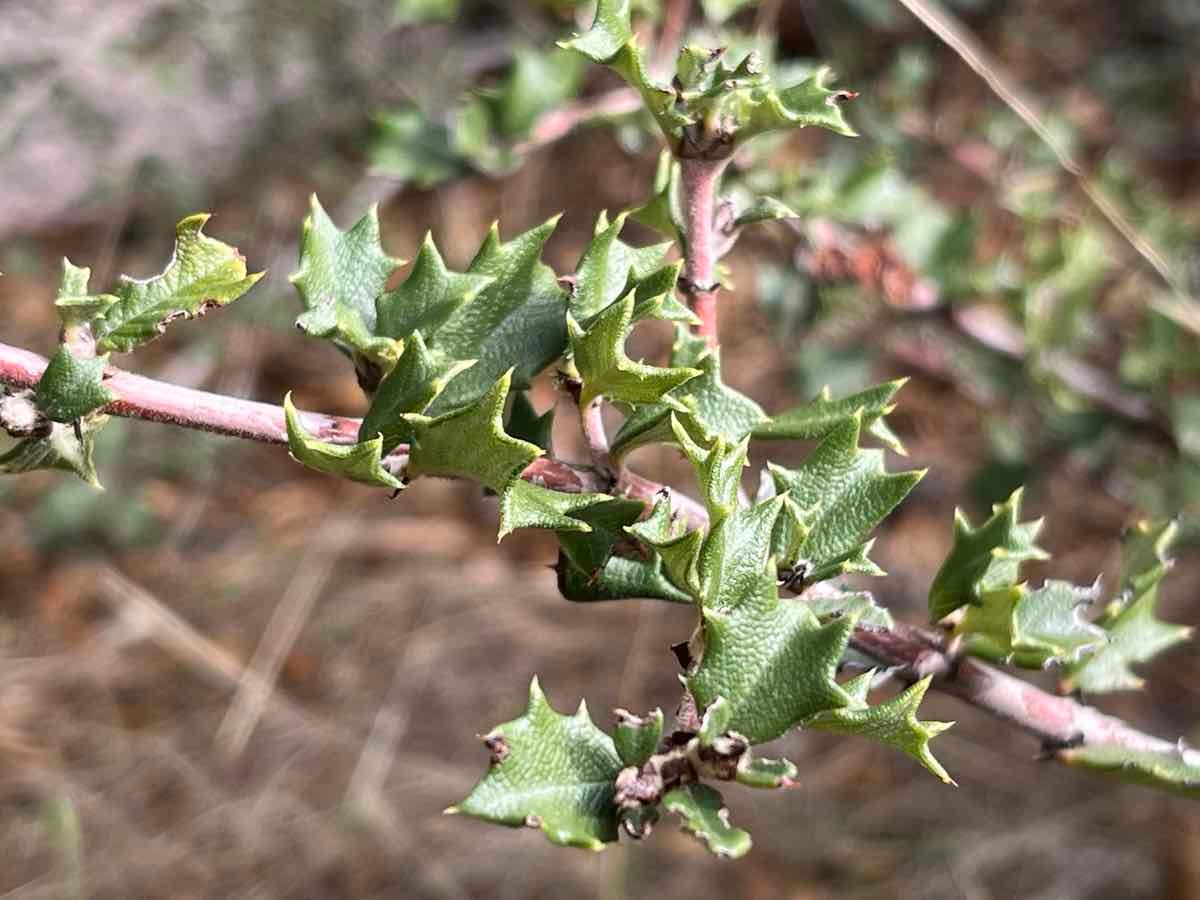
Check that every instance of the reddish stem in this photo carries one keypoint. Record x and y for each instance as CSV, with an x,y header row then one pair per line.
x,y
698,179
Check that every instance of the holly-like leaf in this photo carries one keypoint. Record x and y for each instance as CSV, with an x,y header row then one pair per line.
x,y
1177,772
664,210
814,420
470,443
844,492
763,209
607,267
516,322
552,772
1032,628
859,605
203,273
893,722
637,737
605,370
718,468
678,547
340,276
984,559
428,296
1135,633
361,462
703,813
713,409
70,387
527,505
412,384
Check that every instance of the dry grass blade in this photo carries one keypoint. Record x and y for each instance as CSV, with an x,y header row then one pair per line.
x,y
1181,308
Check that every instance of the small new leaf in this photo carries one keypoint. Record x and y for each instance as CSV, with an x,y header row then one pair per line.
x,y
814,420
361,462
64,448
894,723
203,273
1032,628
552,772
636,737
70,387
984,559
703,813
766,774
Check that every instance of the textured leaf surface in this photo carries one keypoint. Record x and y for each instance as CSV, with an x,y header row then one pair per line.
x,y
516,322
340,276
985,558
816,419
844,492
70,387
552,772
609,265
1135,633
428,296
412,384
203,273
605,370
893,723
1167,771
361,462
470,443
527,505
703,813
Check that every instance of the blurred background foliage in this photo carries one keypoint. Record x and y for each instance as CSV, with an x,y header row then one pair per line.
x,y
946,243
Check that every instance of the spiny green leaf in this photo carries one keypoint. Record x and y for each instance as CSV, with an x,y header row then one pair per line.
x,y
203,273
516,322
526,505
814,420
771,660
605,370
471,442
604,565
718,468
1173,772
844,492
664,210
428,296
704,814
859,605
1135,633
636,737
712,408
415,381
608,265
361,462
551,772
670,539
894,723
70,387
985,558
1031,628
340,276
